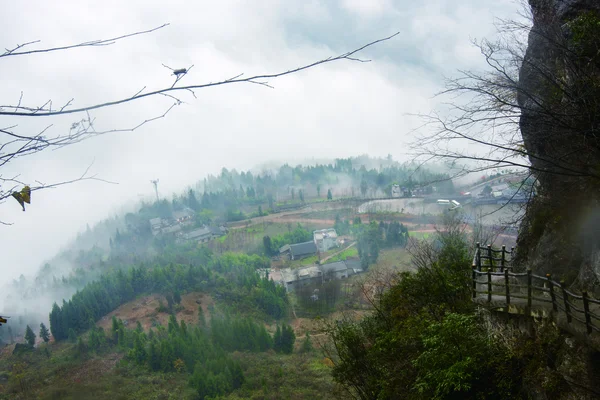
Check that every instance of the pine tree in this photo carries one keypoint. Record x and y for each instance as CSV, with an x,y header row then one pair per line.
x,y
29,336
154,356
307,344
115,329
173,327
288,338
183,328
169,299
268,245
277,340
201,318
138,353
329,195
96,338
44,334
176,297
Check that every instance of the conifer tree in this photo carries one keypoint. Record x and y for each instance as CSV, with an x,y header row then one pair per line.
x,y
72,335
176,297
44,334
307,344
277,340
29,336
201,318
288,338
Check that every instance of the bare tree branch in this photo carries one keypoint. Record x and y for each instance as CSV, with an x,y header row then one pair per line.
x,y
256,79
101,42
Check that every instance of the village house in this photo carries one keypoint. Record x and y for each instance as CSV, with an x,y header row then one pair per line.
x,y
156,226
295,278
204,234
325,239
292,279
298,251
184,217
334,270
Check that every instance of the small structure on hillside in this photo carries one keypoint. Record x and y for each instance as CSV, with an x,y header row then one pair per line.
x,y
205,234
184,216
325,239
298,251
156,226
171,230
334,270
295,278
292,279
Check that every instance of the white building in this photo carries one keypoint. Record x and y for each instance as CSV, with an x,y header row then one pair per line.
x,y
325,239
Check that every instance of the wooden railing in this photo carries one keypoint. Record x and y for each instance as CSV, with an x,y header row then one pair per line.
x,y
494,282
488,257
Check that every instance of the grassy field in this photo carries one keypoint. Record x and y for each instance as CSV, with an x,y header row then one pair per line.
x,y
420,235
351,252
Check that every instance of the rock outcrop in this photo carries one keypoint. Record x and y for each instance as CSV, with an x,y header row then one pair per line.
x,y
559,97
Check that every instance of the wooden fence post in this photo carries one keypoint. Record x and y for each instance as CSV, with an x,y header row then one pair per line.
x,y
507,287
566,301
552,294
529,288
474,276
478,257
490,256
489,276
503,258
586,309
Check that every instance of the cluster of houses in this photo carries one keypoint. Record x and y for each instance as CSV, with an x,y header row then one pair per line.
x,y
500,194
323,240
181,219
292,279
174,225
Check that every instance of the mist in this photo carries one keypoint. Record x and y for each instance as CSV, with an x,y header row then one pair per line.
x,y
333,111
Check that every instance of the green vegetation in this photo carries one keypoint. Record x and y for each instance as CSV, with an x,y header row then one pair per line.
x,y
373,236
298,235
426,340
233,276
351,252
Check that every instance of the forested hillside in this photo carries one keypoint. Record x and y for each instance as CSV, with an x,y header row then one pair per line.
x,y
124,241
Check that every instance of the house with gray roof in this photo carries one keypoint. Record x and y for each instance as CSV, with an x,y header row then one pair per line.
x,y
292,278
299,250
295,278
334,270
205,234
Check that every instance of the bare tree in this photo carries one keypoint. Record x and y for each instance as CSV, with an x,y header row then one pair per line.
x,y
536,109
488,109
15,144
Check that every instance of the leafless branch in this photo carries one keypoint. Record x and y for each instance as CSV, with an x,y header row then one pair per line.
x,y
101,42
256,79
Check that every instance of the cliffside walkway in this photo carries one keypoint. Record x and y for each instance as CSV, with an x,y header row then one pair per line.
x,y
496,286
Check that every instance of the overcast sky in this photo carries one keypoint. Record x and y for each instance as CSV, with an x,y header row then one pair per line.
x,y
336,110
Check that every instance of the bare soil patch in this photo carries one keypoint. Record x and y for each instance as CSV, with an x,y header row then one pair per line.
x,y
144,310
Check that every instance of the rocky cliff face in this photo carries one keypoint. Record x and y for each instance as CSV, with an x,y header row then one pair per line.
x,y
559,97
